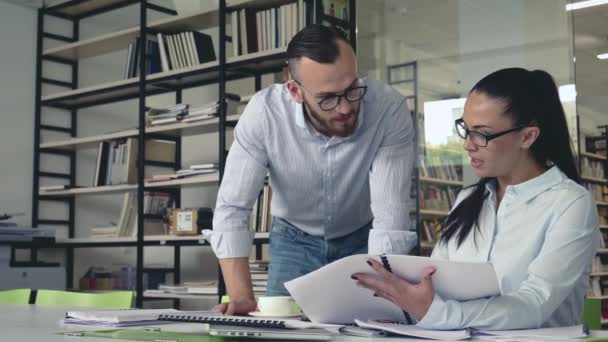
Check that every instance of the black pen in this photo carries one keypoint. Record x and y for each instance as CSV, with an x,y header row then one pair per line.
x,y
387,267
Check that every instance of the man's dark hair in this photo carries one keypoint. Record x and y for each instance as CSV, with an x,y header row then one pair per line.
x,y
317,42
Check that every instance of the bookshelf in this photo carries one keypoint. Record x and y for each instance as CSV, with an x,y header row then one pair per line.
x,y
176,130
163,82
69,97
592,165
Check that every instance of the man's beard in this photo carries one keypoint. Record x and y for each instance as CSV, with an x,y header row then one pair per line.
x,y
324,124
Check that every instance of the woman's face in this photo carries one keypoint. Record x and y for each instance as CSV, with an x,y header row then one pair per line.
x,y
486,115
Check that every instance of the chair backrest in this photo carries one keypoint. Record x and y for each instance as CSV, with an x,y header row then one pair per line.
x,y
109,300
18,296
592,313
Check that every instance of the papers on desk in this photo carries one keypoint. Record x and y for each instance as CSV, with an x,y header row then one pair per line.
x,y
329,295
560,333
125,318
544,334
414,331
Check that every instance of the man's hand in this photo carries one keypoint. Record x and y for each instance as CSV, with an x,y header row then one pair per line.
x,y
238,285
238,307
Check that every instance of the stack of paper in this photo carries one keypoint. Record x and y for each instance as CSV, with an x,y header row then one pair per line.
x,y
543,334
117,318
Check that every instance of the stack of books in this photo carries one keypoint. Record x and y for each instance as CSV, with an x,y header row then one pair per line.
x,y
194,170
194,288
259,276
190,113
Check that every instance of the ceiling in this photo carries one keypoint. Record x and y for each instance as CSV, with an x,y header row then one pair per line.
x,y
435,34
449,38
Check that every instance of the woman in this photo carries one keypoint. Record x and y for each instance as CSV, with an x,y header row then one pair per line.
x,y
527,215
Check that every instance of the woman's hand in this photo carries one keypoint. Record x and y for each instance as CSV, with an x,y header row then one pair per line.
x,y
416,299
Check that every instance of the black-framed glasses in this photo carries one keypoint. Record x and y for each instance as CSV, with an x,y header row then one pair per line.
x,y
330,102
478,138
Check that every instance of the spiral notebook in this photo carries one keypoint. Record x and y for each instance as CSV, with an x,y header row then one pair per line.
x,y
219,319
205,317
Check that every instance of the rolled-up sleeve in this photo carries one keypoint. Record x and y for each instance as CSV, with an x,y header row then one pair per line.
x,y
564,258
390,180
246,168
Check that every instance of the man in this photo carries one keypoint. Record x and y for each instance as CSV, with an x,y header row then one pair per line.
x,y
339,153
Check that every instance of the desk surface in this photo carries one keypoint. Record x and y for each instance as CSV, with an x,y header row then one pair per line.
x,y
42,323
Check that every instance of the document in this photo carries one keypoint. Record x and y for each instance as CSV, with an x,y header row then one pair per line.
x,y
329,295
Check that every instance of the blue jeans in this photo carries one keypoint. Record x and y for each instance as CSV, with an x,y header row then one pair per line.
x,y
294,253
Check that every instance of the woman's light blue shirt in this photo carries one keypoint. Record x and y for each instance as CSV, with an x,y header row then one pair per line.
x,y
541,241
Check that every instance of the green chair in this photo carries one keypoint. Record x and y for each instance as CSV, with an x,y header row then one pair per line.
x,y
19,296
592,313
109,300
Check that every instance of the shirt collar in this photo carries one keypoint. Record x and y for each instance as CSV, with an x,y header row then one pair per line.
x,y
533,187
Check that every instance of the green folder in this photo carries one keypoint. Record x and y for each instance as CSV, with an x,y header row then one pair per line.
x,y
147,335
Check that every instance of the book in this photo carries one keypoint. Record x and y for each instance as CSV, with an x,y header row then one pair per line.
x,y
343,301
203,47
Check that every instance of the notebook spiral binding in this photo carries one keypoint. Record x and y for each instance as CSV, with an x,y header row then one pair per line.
x,y
246,322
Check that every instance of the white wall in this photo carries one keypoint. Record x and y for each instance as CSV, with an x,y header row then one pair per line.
x,y
17,72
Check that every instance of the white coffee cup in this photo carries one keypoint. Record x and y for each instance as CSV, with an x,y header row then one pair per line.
x,y
276,305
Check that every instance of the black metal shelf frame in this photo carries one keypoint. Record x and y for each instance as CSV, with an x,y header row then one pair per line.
x,y
73,12
391,72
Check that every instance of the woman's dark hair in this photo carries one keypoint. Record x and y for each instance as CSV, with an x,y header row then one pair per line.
x,y
317,42
530,99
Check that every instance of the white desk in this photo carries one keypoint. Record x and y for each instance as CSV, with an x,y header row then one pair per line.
x,y
25,323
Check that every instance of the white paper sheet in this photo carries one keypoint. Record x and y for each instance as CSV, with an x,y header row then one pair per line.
x,y
329,295
414,331
544,334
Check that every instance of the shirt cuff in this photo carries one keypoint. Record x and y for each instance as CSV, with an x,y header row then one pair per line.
x,y
434,315
230,244
382,241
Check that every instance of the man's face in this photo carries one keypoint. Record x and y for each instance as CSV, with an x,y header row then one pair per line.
x,y
318,83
